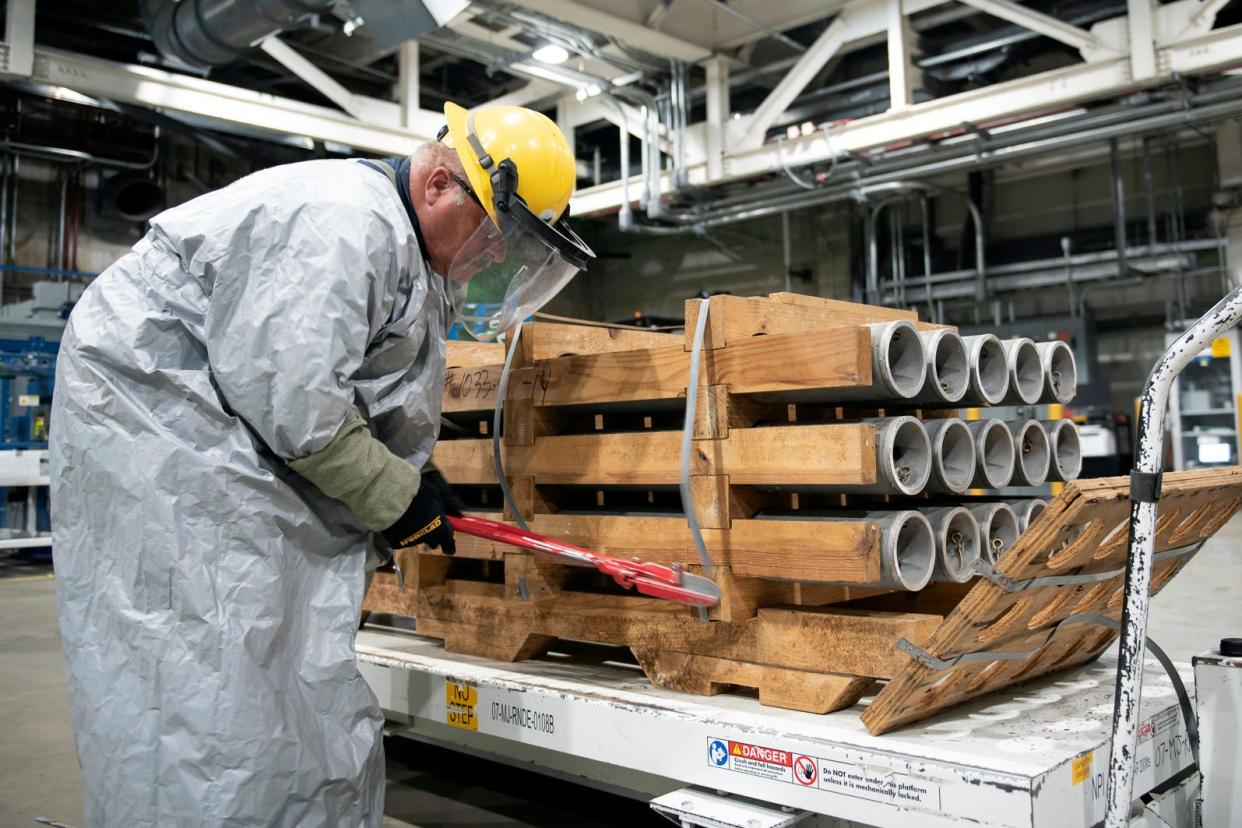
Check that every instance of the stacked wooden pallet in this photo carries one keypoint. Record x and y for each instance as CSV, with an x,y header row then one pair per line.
x,y
800,470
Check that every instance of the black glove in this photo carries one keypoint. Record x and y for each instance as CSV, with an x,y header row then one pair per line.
x,y
426,518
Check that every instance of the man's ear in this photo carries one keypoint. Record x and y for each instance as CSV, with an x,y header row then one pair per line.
x,y
438,183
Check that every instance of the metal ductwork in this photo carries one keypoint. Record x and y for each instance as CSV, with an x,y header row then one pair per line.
x,y
206,33
215,32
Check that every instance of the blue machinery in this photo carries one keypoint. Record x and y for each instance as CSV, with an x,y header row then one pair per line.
x,y
27,376
27,373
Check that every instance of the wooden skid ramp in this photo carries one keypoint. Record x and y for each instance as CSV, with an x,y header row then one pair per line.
x,y
1084,531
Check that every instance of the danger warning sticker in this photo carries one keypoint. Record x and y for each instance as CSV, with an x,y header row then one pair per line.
x,y
755,760
816,772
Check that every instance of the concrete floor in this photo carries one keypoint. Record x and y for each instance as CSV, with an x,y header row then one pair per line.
x,y
427,787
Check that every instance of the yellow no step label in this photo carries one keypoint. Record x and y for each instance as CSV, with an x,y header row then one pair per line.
x,y
1081,768
460,701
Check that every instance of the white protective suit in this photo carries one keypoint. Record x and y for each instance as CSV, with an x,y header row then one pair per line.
x,y
209,595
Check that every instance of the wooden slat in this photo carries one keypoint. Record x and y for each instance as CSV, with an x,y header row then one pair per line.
x,y
549,340
821,640
854,312
810,692
843,552
734,319
462,354
834,454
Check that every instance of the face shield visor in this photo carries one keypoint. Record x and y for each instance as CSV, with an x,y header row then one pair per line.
x,y
510,268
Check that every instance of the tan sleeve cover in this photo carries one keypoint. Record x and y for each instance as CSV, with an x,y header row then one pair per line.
x,y
360,471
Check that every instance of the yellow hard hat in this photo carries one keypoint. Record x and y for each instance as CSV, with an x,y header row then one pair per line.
x,y
532,141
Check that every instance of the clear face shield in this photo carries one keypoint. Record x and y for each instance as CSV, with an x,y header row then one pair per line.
x,y
501,276
509,269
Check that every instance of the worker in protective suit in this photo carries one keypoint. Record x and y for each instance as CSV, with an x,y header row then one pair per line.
x,y
243,401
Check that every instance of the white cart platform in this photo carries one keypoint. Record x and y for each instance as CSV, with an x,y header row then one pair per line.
x,y
1036,757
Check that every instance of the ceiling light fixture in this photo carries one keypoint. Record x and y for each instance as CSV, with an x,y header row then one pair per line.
x,y
550,53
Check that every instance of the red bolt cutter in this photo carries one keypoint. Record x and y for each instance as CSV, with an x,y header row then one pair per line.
x,y
659,581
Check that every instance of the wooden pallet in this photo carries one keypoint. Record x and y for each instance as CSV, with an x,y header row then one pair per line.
x,y
796,656
1083,531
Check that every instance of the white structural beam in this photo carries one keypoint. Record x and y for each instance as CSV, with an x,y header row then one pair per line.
x,y
565,107
534,90
718,111
628,31
901,70
1142,39
790,86
175,93
407,82
859,23
1037,22
19,28
1215,50
319,80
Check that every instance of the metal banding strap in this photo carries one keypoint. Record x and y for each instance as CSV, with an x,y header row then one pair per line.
x,y
1145,486
687,433
1010,585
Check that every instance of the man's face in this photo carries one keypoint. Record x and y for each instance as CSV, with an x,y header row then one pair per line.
x,y
484,248
457,230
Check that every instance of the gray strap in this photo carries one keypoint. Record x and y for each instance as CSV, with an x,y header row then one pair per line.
x,y
933,663
1010,585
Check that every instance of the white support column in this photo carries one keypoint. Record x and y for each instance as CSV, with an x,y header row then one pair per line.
x,y
19,26
1229,167
778,100
902,75
1037,22
407,82
565,117
1142,39
284,54
717,115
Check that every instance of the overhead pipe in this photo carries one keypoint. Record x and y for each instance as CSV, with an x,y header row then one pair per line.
x,y
998,529
901,189
1026,375
995,456
962,156
958,543
204,33
1119,204
73,156
1066,463
1027,510
954,456
989,370
1034,454
948,369
1060,372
